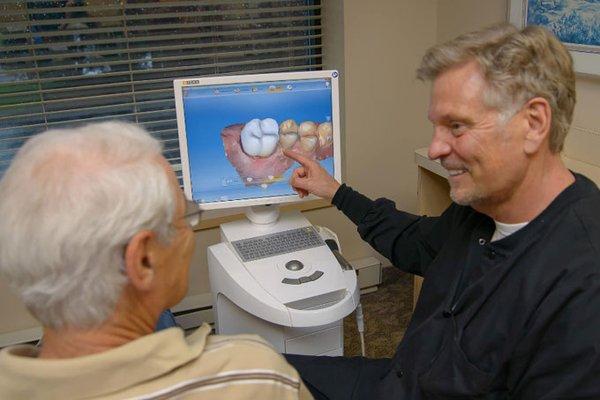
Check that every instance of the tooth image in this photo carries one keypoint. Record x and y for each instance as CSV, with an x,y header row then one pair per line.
x,y
270,131
251,138
308,143
325,133
288,133
260,137
287,140
307,128
269,126
308,135
288,126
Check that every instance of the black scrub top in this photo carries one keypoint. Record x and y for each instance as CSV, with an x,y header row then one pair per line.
x,y
516,318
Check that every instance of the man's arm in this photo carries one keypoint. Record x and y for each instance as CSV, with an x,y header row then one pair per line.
x,y
410,242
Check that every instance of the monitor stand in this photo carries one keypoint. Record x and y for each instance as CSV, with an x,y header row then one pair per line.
x,y
263,215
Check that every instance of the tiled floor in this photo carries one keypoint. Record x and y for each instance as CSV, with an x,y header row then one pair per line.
x,y
386,312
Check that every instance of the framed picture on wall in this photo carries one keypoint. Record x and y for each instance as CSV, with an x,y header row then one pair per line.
x,y
575,22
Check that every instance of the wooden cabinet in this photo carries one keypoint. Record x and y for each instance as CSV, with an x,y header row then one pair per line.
x,y
433,195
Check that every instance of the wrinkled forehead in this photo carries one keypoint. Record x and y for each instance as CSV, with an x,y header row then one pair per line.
x,y
457,90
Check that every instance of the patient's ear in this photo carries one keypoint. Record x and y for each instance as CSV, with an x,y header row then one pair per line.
x,y
138,264
538,115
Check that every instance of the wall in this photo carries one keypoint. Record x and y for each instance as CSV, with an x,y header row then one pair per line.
x,y
583,141
458,16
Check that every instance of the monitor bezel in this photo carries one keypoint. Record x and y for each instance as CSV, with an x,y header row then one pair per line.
x,y
179,84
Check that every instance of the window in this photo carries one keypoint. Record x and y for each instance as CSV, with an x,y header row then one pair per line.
x,y
68,62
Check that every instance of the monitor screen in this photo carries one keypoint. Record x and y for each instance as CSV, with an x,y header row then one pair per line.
x,y
232,132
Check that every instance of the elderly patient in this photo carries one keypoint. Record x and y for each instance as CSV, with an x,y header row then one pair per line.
x,y
95,239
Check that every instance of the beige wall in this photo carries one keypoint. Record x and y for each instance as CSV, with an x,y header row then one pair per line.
x,y
382,47
458,16
377,46
583,142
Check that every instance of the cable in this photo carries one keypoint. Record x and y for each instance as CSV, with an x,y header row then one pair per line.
x,y
360,324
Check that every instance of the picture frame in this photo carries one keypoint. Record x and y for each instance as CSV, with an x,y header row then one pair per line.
x,y
586,56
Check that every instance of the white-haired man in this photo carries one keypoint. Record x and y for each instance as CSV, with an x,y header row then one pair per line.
x,y
95,238
510,302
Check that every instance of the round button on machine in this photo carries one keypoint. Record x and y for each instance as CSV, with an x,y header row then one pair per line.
x,y
294,265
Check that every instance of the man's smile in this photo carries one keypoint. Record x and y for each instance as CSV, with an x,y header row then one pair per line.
x,y
456,172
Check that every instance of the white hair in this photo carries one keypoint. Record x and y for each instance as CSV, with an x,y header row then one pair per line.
x,y
70,202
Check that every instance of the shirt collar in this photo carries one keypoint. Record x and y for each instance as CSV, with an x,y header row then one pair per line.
x,y
582,187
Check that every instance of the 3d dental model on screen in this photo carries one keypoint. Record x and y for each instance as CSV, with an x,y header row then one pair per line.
x,y
234,134
255,149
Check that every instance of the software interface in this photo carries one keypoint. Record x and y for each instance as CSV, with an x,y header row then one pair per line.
x,y
236,134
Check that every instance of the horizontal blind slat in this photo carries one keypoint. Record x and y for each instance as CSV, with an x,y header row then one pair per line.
x,y
83,87
216,26
166,15
159,38
196,47
245,53
141,73
126,6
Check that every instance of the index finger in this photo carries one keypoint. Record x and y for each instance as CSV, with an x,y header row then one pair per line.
x,y
299,173
298,157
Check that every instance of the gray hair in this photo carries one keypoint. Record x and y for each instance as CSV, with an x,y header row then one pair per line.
x,y
70,202
517,65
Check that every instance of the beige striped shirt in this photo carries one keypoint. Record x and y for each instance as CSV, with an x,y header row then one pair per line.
x,y
164,365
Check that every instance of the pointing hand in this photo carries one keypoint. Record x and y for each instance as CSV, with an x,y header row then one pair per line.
x,y
311,178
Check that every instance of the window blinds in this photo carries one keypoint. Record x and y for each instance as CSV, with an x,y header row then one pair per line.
x,y
64,63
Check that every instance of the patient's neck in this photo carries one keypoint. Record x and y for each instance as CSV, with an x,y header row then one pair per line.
x,y
130,320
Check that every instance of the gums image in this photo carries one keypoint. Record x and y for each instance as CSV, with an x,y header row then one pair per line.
x,y
255,149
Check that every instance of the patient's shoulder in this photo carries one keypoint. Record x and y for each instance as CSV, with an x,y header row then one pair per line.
x,y
246,350
226,367
246,366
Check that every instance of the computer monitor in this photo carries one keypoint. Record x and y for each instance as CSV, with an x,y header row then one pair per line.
x,y
233,129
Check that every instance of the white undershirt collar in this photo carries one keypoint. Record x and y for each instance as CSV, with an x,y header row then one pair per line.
x,y
503,230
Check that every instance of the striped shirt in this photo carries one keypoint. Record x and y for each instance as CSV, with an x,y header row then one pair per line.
x,y
163,365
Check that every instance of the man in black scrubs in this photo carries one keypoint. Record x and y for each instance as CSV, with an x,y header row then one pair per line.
x,y
510,304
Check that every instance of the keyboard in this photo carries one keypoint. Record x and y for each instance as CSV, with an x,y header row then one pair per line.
x,y
277,243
